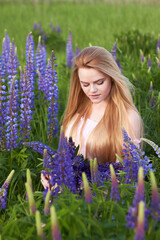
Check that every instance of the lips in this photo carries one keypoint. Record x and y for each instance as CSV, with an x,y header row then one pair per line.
x,y
95,96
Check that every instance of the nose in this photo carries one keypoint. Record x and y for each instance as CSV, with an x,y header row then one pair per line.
x,y
93,88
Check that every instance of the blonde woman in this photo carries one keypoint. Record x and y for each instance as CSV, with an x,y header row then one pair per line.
x,y
99,104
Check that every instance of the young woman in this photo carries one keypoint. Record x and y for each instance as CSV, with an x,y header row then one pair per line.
x,y
99,105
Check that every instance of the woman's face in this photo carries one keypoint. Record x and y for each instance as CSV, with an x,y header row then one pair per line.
x,y
95,84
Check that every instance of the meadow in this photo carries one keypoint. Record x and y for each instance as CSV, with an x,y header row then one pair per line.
x,y
30,124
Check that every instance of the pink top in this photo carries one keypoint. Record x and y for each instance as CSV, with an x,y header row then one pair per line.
x,y
88,127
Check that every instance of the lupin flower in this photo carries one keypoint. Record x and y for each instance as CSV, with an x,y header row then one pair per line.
x,y
133,159
11,118
94,170
153,102
56,235
155,203
29,181
114,50
158,45
77,51
151,86
114,53
40,63
46,204
3,93
52,97
26,112
149,64
40,232
139,195
142,56
31,200
114,187
69,50
6,50
58,29
158,61
153,145
4,190
30,66
87,190
39,147
140,231
12,63
62,173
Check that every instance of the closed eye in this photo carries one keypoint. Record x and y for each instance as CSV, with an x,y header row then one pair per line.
x,y
85,85
100,82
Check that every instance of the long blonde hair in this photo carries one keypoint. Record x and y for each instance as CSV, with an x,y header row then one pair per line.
x,y
109,130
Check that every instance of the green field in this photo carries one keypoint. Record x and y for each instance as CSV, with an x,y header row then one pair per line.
x,y
136,26
95,23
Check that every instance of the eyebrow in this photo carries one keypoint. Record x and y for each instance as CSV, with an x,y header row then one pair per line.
x,y
94,81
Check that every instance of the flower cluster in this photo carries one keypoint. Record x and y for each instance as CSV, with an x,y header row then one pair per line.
x,y
133,159
114,53
52,97
133,215
41,56
4,191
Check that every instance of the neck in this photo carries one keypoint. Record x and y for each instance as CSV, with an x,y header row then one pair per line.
x,y
98,110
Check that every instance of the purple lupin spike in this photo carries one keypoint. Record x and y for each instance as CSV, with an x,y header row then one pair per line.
x,y
140,231
69,50
114,187
158,45
149,64
155,203
87,191
4,191
56,235
52,98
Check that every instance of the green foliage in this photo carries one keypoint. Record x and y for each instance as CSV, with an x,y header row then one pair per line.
x,y
104,219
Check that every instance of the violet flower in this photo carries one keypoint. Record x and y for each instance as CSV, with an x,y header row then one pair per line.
x,y
142,56
114,187
3,93
114,54
158,45
56,235
6,50
155,203
40,232
77,51
40,63
11,118
140,231
52,97
153,102
139,196
26,112
87,191
69,51
30,67
133,159
4,191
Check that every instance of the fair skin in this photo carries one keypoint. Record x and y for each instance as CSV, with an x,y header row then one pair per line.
x,y
97,88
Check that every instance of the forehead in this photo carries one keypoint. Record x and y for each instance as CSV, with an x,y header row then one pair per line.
x,y
87,74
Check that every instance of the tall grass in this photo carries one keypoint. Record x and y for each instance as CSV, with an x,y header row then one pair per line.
x,y
94,23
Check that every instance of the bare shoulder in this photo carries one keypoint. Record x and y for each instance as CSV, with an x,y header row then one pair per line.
x,y
135,122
